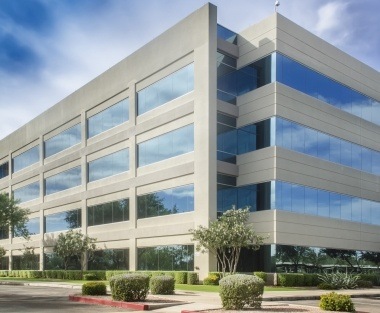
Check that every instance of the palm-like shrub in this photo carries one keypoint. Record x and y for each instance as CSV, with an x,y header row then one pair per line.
x,y
339,280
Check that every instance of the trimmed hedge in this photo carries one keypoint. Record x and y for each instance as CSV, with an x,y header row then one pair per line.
x,y
129,287
192,278
180,277
297,280
261,275
94,289
239,290
161,285
211,279
374,278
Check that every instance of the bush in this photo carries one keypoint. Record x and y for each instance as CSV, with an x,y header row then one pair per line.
x,y
325,286
310,280
161,285
36,274
211,279
261,275
94,289
339,280
129,287
291,280
4,273
110,274
336,302
181,277
374,278
364,284
239,290
192,278
90,276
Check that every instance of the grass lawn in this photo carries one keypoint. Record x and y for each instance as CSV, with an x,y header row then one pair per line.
x,y
216,288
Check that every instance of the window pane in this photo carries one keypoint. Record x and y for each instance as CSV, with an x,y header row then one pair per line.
x,y
63,140
26,159
27,193
4,170
63,221
62,181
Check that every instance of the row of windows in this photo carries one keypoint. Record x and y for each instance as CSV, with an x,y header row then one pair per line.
x,y
300,199
164,90
165,146
290,135
106,213
164,202
278,67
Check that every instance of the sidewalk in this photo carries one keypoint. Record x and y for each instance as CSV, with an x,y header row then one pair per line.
x,y
183,301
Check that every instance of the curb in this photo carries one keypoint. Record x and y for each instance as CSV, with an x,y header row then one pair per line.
x,y
118,304
318,297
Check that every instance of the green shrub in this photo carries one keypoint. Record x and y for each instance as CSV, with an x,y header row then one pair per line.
x,y
291,280
239,290
90,276
192,278
211,279
110,274
374,278
336,302
364,284
162,285
129,287
339,280
181,277
36,274
4,273
94,289
310,280
100,275
261,275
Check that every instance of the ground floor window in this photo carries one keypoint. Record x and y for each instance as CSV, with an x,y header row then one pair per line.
x,y
54,262
298,259
166,258
110,259
29,261
4,263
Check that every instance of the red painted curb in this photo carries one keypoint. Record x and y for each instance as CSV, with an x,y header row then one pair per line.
x,y
118,304
187,311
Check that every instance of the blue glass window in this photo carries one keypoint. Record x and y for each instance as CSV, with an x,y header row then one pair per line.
x,y
62,181
111,212
164,202
314,84
63,140
166,89
108,118
63,221
4,170
33,226
28,192
109,165
226,34
26,159
166,258
171,144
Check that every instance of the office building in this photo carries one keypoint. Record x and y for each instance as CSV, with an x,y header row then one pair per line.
x,y
198,120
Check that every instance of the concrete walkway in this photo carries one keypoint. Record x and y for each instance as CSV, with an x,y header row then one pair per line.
x,y
197,300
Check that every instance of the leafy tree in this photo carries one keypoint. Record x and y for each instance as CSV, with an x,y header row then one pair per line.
x,y
12,217
349,256
226,237
2,252
73,244
292,254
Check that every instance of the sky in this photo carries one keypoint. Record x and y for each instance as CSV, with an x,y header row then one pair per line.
x,y
50,48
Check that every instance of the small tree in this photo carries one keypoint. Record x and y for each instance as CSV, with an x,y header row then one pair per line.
x,y
73,244
12,217
226,237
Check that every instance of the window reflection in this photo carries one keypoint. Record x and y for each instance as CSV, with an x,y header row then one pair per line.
x,y
166,146
4,170
4,232
63,140
109,165
111,212
166,89
166,258
62,181
108,118
164,202
63,221
226,34
26,159
28,192
110,259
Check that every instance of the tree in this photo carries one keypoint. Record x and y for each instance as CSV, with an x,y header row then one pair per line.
x,y
73,244
292,254
373,257
12,217
226,237
349,256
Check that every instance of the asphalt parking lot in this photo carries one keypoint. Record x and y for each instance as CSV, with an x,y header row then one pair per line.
x,y
363,305
17,299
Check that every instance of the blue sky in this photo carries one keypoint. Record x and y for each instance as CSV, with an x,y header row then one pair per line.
x,y
50,48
